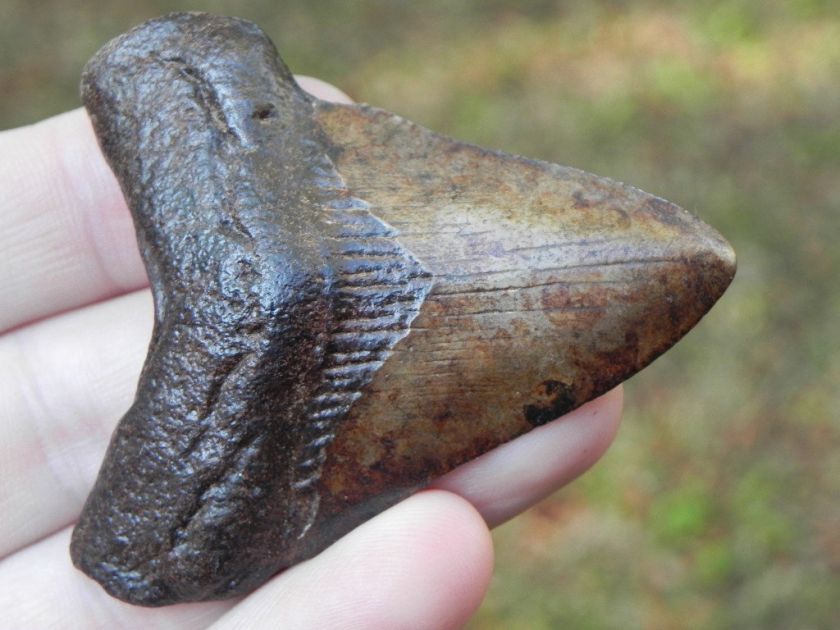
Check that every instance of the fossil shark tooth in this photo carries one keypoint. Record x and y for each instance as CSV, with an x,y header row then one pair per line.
x,y
346,306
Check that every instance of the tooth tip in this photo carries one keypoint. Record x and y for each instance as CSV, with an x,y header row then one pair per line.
x,y
719,266
727,259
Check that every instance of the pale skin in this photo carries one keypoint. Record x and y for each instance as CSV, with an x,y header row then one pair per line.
x,y
75,318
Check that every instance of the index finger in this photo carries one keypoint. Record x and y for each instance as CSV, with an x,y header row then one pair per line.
x,y
66,235
65,232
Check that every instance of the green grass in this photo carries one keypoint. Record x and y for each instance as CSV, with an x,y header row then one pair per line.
x,y
714,508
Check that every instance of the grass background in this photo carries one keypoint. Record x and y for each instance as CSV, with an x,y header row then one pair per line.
x,y
718,505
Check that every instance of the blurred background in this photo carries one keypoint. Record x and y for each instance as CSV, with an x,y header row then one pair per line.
x,y
719,504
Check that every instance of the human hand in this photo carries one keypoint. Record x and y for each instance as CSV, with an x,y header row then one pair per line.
x,y
75,320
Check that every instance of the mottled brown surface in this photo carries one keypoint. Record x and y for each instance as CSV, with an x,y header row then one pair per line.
x,y
551,287
347,305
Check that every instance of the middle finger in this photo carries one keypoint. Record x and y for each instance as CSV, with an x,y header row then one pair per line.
x,y
58,420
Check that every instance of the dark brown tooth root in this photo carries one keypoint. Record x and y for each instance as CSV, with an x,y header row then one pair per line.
x,y
347,305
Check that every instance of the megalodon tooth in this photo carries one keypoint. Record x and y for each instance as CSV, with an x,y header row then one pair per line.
x,y
347,305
